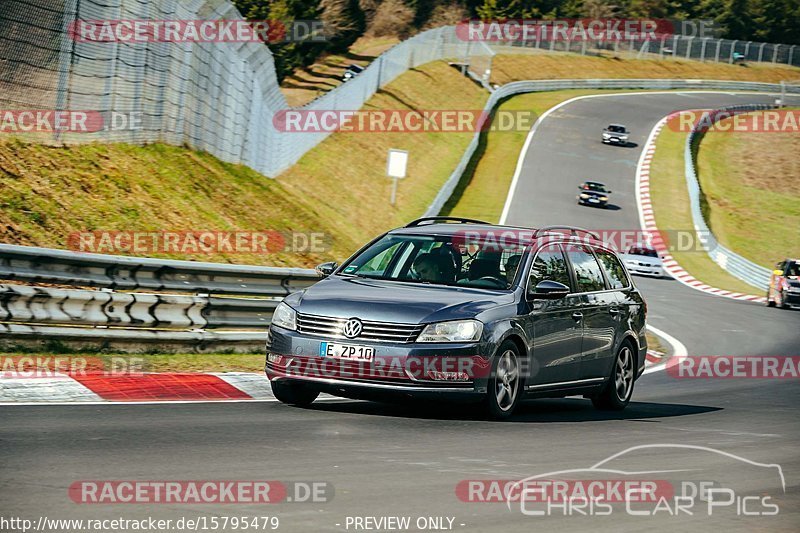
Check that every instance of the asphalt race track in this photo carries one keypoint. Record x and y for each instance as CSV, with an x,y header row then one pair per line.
x,y
407,460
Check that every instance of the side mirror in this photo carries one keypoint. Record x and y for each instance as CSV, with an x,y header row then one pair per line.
x,y
326,269
778,272
548,290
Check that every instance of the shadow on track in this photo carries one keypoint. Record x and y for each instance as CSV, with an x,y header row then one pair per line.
x,y
533,411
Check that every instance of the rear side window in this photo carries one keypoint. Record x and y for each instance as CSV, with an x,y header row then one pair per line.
x,y
587,271
613,268
549,265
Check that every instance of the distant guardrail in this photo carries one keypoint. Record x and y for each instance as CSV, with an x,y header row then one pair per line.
x,y
744,269
519,87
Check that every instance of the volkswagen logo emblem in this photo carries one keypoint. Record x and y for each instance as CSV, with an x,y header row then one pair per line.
x,y
352,328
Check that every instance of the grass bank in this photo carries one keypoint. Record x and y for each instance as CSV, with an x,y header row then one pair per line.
x,y
749,183
338,189
670,199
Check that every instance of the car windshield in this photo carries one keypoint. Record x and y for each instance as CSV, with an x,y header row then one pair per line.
x,y
616,129
793,270
647,252
596,187
459,259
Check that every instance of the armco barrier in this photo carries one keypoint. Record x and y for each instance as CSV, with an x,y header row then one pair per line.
x,y
744,269
520,87
76,307
139,301
44,265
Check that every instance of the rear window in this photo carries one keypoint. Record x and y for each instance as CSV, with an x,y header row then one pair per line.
x,y
647,252
613,269
587,271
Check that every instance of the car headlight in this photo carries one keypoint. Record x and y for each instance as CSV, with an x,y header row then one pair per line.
x,y
452,331
604,198
584,195
606,136
284,317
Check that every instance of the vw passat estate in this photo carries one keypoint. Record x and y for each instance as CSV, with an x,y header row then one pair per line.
x,y
450,308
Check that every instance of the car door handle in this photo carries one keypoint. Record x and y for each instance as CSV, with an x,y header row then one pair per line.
x,y
577,315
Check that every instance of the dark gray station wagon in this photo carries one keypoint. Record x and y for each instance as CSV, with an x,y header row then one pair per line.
x,y
461,309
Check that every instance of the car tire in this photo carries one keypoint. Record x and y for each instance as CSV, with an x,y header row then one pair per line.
x,y
293,393
506,383
623,375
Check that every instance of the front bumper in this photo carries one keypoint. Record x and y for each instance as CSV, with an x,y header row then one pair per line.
x,y
451,370
598,203
792,299
640,270
616,140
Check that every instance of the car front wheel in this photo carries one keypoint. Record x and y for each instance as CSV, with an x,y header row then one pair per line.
x,y
505,383
619,388
293,393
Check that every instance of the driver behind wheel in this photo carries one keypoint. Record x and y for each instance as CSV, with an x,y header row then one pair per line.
x,y
433,267
512,263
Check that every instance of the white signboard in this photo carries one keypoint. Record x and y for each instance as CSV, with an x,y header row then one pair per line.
x,y
396,163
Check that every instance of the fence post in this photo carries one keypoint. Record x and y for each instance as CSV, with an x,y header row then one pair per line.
x,y
703,49
791,54
661,50
66,55
747,49
761,52
733,48
716,54
689,47
775,52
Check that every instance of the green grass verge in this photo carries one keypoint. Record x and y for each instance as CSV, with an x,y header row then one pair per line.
x,y
751,198
670,199
149,362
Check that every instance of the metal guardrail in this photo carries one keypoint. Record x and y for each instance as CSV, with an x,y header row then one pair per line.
x,y
519,87
44,265
140,300
744,269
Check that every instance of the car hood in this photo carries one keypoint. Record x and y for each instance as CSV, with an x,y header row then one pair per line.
x,y
392,301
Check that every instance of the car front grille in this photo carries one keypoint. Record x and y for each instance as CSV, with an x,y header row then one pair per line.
x,y
331,327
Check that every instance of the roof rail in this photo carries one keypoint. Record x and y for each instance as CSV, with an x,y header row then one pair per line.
x,y
434,220
574,230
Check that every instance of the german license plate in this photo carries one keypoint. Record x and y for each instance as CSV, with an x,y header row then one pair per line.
x,y
350,352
